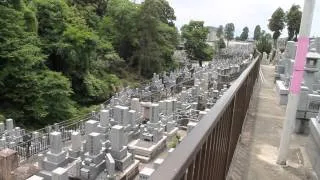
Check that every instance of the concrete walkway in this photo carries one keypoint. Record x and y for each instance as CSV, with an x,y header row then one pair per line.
x,y
257,150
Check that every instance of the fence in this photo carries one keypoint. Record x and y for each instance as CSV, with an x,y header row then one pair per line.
x,y
206,152
32,147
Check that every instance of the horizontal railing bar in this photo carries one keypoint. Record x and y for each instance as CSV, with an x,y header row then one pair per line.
x,y
178,161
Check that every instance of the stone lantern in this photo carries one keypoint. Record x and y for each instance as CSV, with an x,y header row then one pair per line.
x,y
311,68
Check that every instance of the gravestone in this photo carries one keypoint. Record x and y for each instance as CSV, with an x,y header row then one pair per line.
x,y
56,156
91,126
123,159
76,144
134,125
104,127
104,118
9,125
2,128
94,161
110,164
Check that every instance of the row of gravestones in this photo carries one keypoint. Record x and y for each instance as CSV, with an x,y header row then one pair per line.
x,y
238,54
122,124
109,150
309,97
10,135
218,77
105,148
40,144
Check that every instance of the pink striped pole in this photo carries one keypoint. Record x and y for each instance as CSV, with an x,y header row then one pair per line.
x,y
297,77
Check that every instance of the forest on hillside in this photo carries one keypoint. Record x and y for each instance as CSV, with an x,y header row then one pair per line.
x,y
59,56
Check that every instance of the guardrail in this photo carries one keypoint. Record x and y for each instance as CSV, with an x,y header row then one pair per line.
x,y
206,152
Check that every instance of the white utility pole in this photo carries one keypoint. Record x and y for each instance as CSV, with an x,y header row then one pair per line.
x,y
297,78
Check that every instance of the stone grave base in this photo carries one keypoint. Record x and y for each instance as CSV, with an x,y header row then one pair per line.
x,y
91,172
52,161
145,151
301,114
125,162
133,135
47,174
282,92
25,171
74,154
131,171
313,146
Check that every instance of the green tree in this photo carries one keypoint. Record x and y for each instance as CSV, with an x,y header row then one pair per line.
x,y
257,33
276,24
220,32
195,35
121,27
264,43
157,37
56,55
293,19
28,91
229,32
245,34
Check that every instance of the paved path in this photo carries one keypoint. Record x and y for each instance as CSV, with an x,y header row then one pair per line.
x,y
257,150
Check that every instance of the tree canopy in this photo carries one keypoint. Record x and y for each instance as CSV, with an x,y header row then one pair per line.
x,y
257,32
277,24
229,31
264,43
195,35
293,19
245,34
58,57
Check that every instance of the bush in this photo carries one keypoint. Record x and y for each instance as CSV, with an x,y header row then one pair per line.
x,y
264,45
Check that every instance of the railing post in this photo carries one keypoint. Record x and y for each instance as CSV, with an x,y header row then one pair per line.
x,y
231,136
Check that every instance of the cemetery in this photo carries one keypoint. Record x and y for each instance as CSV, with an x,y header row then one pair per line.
x,y
129,137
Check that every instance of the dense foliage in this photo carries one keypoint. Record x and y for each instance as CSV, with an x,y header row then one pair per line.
x,y
257,32
245,34
293,20
229,32
195,36
57,56
277,24
264,44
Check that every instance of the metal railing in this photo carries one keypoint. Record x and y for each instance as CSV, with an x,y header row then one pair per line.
x,y
30,148
206,152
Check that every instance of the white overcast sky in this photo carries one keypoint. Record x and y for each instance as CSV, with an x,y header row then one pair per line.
x,y
241,12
